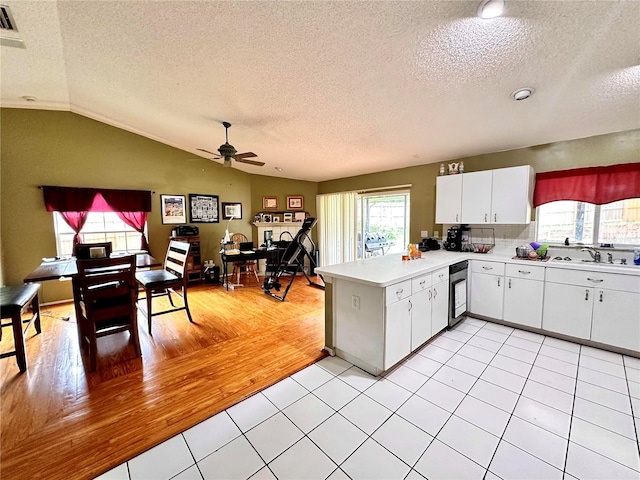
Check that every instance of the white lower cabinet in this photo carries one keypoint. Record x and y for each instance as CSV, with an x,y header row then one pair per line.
x,y
602,307
439,301
523,293
567,309
487,288
397,337
616,319
421,318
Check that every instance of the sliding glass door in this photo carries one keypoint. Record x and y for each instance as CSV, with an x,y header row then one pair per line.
x,y
383,223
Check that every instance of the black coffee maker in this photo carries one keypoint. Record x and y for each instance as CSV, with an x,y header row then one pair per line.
x,y
453,243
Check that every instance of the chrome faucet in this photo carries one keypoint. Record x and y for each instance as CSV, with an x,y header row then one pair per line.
x,y
595,254
609,257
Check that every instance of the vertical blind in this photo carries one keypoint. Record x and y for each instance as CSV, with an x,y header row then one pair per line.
x,y
336,227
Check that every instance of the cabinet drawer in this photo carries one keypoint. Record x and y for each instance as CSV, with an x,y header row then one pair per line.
x,y
524,271
610,281
418,284
491,268
397,291
440,276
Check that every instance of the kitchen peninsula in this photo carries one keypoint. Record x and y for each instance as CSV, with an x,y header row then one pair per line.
x,y
381,309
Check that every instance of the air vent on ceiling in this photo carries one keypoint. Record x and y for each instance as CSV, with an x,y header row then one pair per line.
x,y
7,22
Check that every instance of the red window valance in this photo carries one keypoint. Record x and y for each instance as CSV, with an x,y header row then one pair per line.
x,y
71,199
597,185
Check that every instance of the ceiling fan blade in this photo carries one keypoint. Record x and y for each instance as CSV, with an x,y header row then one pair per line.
x,y
206,151
245,155
250,162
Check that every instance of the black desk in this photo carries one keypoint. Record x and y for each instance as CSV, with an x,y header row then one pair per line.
x,y
257,254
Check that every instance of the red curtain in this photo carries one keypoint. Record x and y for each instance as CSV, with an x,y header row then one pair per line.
x,y
136,220
76,221
71,199
597,185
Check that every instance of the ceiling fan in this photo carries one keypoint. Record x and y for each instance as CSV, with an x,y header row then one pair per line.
x,y
228,152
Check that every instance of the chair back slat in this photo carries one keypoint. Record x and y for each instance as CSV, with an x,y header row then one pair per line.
x,y
176,260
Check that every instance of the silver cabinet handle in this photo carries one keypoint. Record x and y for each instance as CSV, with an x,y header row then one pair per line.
x,y
595,280
410,305
457,218
509,283
498,281
487,268
586,294
524,272
430,294
441,276
601,293
485,218
435,293
399,293
422,282
495,217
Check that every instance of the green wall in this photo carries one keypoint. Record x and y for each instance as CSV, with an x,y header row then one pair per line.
x,y
40,147
610,149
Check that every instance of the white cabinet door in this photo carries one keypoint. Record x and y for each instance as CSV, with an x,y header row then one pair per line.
x,y
476,197
397,338
616,319
567,309
420,317
523,301
439,307
448,199
487,294
512,195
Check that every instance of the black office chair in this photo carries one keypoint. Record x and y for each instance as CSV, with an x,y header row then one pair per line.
x,y
157,283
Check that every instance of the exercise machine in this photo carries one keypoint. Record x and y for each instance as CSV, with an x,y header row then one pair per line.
x,y
291,261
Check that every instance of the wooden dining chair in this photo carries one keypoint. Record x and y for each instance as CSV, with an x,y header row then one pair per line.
x,y
248,267
105,294
157,283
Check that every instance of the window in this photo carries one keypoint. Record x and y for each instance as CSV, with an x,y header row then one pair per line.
x,y
99,227
386,215
617,223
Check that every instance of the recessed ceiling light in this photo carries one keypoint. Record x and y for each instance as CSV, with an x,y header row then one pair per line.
x,y
278,168
490,8
522,93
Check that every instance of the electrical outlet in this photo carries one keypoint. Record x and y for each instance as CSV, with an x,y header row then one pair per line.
x,y
424,233
355,302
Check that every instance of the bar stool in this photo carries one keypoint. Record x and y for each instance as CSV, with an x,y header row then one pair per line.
x,y
13,300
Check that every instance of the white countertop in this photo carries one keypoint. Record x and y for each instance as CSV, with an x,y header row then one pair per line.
x,y
389,269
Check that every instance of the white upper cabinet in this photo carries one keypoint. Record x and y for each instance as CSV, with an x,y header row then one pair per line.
x,y
512,195
448,199
476,196
501,196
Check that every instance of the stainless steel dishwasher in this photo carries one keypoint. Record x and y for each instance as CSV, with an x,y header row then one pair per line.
x,y
457,292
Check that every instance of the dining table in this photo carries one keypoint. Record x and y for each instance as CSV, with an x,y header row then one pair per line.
x,y
56,268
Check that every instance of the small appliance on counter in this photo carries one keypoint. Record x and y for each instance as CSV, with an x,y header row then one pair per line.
x,y
456,236
428,244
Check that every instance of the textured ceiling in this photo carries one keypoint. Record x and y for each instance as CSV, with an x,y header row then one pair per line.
x,y
327,90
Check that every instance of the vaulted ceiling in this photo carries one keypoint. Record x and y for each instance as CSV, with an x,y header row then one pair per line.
x,y
324,90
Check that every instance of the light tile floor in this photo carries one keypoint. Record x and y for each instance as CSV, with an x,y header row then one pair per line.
x,y
481,401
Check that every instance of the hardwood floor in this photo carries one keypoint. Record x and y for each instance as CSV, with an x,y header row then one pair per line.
x,y
60,422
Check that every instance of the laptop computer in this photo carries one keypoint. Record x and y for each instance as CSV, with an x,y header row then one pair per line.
x,y
246,246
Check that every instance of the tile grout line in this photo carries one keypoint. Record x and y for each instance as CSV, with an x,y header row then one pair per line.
x,y
635,420
573,406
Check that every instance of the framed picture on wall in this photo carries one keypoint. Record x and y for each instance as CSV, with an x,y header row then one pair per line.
x,y
231,209
295,202
204,208
173,209
269,202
